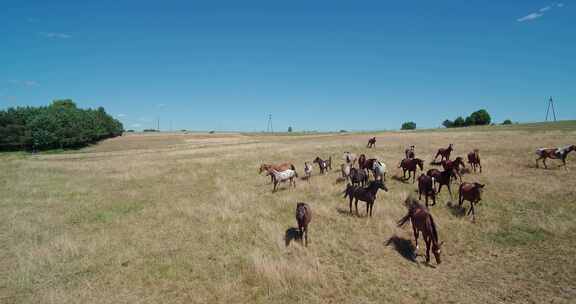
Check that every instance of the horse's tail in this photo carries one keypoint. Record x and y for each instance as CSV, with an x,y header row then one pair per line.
x,y
460,192
292,167
433,227
403,220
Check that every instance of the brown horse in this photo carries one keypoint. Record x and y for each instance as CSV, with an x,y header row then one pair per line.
x,y
474,160
361,161
409,152
409,165
278,167
552,153
422,221
324,165
371,143
471,192
444,153
435,173
303,217
454,165
426,186
367,194
358,176
444,180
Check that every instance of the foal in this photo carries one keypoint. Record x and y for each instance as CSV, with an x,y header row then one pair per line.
x,y
277,167
422,221
286,175
307,170
367,194
345,168
409,165
444,153
474,160
303,217
471,192
324,165
559,153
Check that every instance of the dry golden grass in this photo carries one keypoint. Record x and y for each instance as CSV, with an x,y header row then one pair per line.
x,y
186,219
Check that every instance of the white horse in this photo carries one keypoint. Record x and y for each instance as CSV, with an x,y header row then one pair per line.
x,y
350,158
379,170
280,177
345,168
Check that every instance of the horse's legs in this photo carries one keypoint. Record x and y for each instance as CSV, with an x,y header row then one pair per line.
x,y
544,162
306,235
356,206
275,183
371,208
415,235
564,161
449,191
351,204
368,207
428,241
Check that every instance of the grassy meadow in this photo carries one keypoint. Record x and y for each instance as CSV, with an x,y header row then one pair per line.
x,y
185,218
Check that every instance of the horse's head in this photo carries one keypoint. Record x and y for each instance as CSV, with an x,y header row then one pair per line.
x,y
317,160
379,184
263,167
420,163
436,250
450,147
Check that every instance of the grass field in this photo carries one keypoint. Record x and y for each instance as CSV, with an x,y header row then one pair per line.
x,y
185,218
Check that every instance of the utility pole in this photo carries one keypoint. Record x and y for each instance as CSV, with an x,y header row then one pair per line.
x,y
158,123
269,127
551,105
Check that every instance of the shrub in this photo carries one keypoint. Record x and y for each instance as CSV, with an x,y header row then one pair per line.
x,y
507,122
409,125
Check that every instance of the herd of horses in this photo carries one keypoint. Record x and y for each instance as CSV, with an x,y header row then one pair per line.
x,y
356,172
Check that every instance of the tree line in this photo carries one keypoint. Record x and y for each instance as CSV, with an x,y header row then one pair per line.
x,y
60,125
478,118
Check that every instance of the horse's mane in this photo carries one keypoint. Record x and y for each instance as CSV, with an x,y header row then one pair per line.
x,y
412,204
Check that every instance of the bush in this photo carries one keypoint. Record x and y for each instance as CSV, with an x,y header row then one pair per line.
x,y
481,117
448,123
343,131
150,130
289,129
409,125
59,125
478,118
459,122
507,122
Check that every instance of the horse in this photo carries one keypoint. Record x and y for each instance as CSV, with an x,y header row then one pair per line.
x,y
454,165
471,192
307,170
474,160
324,165
444,179
369,163
345,169
361,161
435,174
409,152
367,194
444,153
350,158
303,217
422,221
409,165
277,167
558,153
358,176
280,177
379,170
371,143
426,186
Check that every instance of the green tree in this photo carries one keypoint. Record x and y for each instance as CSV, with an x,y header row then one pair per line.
x,y
459,122
409,125
448,123
481,117
507,122
289,129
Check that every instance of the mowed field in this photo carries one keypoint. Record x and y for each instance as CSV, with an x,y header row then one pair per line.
x,y
185,218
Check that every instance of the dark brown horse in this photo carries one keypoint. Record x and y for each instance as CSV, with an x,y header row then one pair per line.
x,y
371,142
278,167
303,217
361,161
554,153
324,165
409,165
454,165
422,221
444,153
367,194
358,176
444,180
471,192
474,160
435,173
426,186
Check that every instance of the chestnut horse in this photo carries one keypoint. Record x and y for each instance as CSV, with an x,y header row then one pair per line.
x,y
371,142
278,167
409,165
367,194
559,153
422,221
471,192
474,160
361,161
454,165
426,186
444,153
303,217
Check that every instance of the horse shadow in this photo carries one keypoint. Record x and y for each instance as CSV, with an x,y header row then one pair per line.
x,y
435,163
399,178
403,246
292,234
340,180
305,178
345,211
456,210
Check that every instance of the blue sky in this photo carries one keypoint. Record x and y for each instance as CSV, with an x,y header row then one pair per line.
x,y
315,65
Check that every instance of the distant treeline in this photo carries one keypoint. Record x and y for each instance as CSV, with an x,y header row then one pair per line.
x,y
478,118
59,125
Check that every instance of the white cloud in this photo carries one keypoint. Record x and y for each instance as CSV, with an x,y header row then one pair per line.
x,y
560,5
530,17
52,35
30,83
546,8
121,115
161,105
